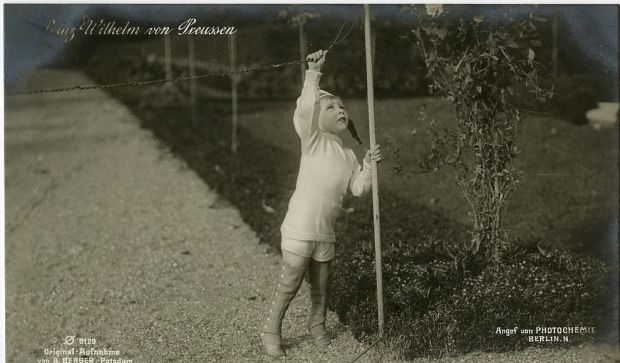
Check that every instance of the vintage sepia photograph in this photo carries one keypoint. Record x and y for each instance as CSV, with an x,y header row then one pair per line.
x,y
308,182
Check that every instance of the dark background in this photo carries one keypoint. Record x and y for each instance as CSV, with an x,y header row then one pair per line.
x,y
587,40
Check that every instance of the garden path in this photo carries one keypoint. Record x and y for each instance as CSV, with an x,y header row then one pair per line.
x,y
109,237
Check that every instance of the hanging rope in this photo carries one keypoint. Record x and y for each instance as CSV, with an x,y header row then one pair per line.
x,y
340,37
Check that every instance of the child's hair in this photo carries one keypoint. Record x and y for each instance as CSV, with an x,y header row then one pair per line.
x,y
350,124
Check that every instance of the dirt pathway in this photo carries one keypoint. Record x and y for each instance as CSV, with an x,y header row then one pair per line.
x,y
111,239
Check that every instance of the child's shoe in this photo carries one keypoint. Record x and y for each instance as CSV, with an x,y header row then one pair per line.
x,y
320,336
272,345
319,286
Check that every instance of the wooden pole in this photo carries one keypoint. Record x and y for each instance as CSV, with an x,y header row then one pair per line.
x,y
374,45
232,51
375,179
303,50
168,56
192,73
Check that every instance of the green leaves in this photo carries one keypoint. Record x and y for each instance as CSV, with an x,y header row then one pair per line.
x,y
441,32
530,55
512,44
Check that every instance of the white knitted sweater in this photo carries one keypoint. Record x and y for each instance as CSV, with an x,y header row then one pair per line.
x,y
326,170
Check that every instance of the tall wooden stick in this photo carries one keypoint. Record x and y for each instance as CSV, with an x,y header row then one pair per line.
x,y
374,45
375,179
232,50
192,73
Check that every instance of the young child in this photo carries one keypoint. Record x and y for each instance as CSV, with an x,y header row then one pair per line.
x,y
326,171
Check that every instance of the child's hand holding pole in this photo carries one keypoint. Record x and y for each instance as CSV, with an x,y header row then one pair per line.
x,y
316,60
373,154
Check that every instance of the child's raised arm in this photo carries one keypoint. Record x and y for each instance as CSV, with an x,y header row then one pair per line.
x,y
306,117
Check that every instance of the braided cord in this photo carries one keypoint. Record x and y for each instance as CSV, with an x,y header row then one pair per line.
x,y
167,80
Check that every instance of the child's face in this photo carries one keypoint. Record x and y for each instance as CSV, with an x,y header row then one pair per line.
x,y
334,118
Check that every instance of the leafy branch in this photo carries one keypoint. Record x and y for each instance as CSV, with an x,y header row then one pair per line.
x,y
476,64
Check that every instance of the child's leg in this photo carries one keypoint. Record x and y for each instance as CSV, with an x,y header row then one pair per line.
x,y
291,276
294,259
320,271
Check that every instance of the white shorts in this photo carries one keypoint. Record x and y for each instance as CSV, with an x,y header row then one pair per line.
x,y
319,251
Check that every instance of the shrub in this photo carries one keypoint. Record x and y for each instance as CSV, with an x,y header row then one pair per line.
x,y
475,64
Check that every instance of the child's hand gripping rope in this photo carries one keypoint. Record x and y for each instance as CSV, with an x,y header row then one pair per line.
x,y
316,60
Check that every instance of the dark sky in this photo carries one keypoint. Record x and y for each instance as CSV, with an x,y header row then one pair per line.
x,y
592,29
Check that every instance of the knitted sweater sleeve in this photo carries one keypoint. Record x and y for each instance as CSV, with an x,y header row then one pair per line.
x,y
306,116
361,181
